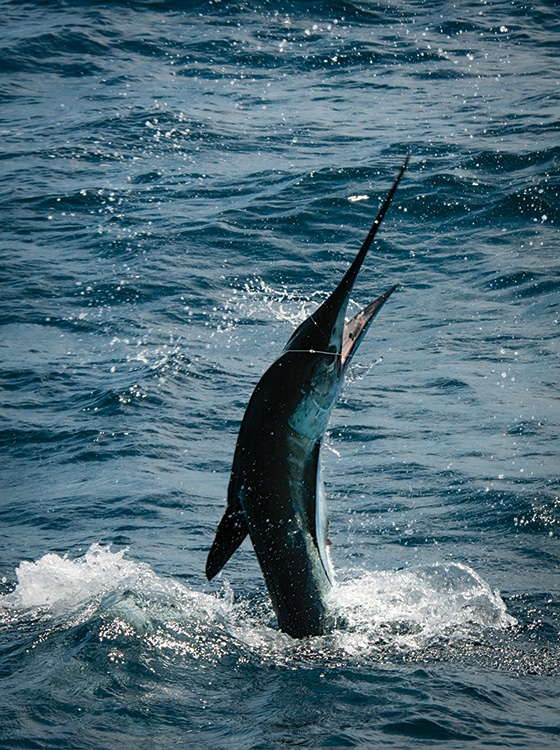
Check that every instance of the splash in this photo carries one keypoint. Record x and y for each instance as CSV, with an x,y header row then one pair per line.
x,y
411,609
379,612
106,583
58,584
257,300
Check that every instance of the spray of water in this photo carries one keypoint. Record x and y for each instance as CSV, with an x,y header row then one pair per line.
x,y
404,610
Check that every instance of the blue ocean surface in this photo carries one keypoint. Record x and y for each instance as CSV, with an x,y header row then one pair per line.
x,y
181,184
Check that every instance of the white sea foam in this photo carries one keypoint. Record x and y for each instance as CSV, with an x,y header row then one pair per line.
x,y
410,608
107,582
57,583
406,609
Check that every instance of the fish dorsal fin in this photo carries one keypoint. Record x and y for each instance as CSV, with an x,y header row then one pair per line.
x,y
231,531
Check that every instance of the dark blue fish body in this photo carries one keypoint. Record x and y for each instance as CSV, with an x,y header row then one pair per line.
x,y
275,491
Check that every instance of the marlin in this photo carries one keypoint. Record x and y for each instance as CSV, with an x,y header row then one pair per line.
x,y
275,491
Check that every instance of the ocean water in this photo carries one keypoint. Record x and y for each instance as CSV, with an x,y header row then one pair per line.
x,y
181,183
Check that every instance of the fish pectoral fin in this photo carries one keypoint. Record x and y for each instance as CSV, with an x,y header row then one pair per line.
x,y
231,531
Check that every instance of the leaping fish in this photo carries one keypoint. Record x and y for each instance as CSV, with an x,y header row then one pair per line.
x,y
275,491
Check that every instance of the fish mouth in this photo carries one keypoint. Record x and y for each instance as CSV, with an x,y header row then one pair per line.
x,y
355,328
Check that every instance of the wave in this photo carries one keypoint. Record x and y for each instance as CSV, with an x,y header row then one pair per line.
x,y
379,612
